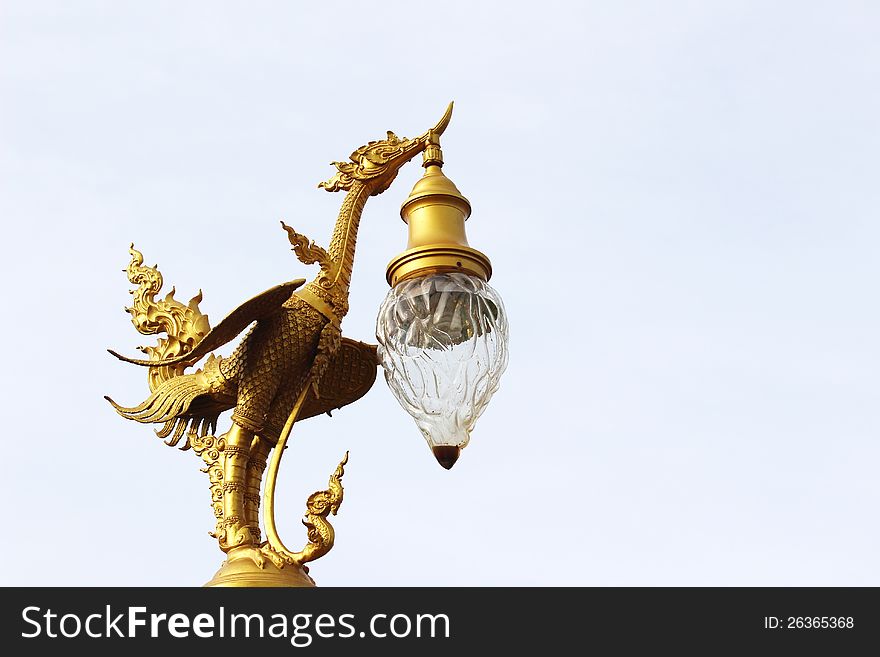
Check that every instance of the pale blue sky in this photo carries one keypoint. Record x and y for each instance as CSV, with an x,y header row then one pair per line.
x,y
680,200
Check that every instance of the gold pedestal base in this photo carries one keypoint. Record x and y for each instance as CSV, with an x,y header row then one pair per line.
x,y
242,571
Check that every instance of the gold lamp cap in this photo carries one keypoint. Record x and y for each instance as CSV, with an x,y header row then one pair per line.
x,y
435,212
434,188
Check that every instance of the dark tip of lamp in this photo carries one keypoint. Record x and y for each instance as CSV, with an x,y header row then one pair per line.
x,y
446,455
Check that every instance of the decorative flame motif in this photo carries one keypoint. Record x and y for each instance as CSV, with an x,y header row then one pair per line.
x,y
185,325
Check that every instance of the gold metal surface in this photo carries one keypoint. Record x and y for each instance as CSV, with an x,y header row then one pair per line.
x,y
435,213
292,364
240,570
185,326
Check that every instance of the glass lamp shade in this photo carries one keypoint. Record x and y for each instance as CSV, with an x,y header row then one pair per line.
x,y
443,345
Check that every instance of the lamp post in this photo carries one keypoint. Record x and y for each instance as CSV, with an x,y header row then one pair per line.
x,y
442,337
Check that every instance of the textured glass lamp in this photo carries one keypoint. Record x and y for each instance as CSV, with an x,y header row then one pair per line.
x,y
442,329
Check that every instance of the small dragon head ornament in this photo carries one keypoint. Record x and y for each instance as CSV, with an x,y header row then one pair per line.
x,y
376,164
